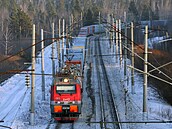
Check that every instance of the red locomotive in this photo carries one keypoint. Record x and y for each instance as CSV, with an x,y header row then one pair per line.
x,y
66,92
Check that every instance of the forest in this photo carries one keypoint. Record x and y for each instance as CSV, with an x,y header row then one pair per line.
x,y
17,17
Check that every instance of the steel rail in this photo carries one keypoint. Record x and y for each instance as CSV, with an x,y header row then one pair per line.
x,y
111,96
103,125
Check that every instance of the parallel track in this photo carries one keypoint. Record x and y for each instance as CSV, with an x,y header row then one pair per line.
x,y
107,102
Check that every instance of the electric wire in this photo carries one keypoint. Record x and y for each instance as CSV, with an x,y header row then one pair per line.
x,y
148,63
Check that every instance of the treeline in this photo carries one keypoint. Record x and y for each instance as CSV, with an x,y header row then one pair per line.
x,y
17,16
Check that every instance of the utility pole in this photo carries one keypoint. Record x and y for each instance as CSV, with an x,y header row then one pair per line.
x,y
67,41
120,43
53,63
150,13
117,41
81,20
110,33
145,72
42,61
125,50
72,23
59,48
63,42
132,57
113,33
83,59
32,115
108,21
99,21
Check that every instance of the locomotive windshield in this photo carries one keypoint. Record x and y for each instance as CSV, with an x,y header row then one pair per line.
x,y
66,89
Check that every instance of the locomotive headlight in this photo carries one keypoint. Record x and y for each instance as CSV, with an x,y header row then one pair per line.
x,y
73,102
66,80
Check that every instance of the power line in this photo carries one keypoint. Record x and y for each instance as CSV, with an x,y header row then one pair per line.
x,y
170,83
149,64
34,45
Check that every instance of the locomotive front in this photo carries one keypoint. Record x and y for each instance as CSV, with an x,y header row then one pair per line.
x,y
66,98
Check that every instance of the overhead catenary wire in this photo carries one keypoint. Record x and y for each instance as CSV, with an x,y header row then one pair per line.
x,y
161,66
170,83
149,64
57,38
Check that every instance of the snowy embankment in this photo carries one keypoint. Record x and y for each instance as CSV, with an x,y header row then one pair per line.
x,y
15,98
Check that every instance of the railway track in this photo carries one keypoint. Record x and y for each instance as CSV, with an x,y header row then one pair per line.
x,y
109,117
57,125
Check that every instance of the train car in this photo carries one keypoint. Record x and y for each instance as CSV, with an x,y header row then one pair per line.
x,y
77,51
100,28
66,93
76,69
92,29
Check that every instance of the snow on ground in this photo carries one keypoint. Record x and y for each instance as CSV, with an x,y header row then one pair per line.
x,y
154,40
14,94
15,99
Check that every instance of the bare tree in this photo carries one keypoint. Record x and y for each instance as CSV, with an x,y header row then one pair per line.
x,y
7,38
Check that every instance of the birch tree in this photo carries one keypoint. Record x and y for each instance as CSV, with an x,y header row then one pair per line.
x,y
7,38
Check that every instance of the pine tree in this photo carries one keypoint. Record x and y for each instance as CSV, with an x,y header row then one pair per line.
x,y
88,18
20,23
132,9
145,13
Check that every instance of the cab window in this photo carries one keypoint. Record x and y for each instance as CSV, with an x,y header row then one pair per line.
x,y
66,89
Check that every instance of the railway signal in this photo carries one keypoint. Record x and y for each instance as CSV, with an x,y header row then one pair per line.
x,y
27,80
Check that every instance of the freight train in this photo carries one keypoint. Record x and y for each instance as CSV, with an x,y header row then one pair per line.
x,y
66,92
